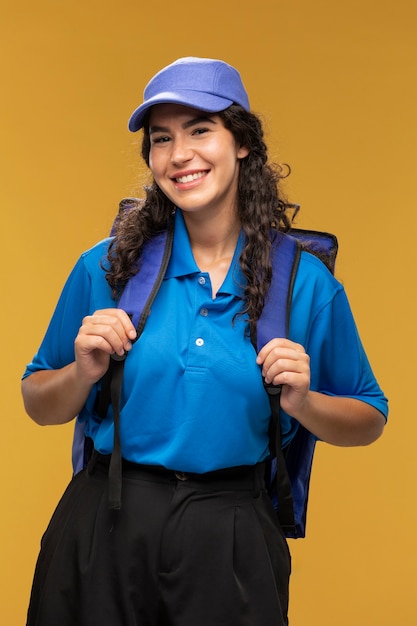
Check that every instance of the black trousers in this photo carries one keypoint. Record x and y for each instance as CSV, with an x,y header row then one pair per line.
x,y
205,551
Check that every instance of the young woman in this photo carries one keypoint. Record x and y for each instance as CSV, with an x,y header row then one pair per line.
x,y
196,540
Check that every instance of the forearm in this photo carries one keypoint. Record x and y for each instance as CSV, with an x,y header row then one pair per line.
x,y
341,421
54,396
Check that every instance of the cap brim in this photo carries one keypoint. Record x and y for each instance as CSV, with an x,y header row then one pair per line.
x,y
193,99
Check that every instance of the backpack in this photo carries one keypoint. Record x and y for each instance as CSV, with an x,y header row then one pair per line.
x,y
288,471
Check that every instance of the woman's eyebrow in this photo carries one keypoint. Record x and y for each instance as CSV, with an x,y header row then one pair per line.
x,y
197,120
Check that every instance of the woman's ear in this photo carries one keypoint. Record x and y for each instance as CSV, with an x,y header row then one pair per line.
x,y
242,152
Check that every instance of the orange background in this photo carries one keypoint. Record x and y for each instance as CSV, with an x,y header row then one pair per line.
x,y
336,85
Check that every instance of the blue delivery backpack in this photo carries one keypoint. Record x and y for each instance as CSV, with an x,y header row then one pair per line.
x,y
288,472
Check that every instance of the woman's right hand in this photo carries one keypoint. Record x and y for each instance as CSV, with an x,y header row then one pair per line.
x,y
57,396
106,332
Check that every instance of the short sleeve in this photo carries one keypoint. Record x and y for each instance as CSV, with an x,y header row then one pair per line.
x,y
85,290
322,321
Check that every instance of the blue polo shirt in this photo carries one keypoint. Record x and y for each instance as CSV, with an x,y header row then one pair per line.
x,y
192,397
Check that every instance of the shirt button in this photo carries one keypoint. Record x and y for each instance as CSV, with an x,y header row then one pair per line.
x,y
202,280
204,312
199,342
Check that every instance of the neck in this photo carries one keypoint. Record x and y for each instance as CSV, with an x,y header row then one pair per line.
x,y
212,239
213,243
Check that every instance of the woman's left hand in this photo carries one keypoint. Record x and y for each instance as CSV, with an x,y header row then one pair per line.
x,y
339,420
286,363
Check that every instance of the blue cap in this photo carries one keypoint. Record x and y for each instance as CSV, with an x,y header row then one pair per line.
x,y
205,84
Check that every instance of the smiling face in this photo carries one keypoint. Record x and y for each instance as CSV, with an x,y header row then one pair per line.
x,y
194,159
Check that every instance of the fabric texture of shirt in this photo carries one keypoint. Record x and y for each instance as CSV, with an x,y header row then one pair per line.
x,y
193,398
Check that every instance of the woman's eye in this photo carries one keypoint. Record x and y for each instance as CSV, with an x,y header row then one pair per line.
x,y
200,131
160,139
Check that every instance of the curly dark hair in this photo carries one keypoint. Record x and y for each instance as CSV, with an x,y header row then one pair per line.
x,y
261,208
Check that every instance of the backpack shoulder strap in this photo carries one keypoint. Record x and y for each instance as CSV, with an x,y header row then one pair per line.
x,y
136,300
140,291
290,473
275,316
274,322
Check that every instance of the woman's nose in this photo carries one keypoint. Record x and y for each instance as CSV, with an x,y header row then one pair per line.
x,y
181,151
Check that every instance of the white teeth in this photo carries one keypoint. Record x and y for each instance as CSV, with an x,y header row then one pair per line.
x,y
190,177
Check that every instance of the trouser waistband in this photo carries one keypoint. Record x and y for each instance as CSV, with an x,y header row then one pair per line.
x,y
243,477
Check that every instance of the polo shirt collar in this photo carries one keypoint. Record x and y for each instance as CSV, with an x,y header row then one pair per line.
x,y
182,262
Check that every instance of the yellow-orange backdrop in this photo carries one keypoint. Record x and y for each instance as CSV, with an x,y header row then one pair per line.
x,y
336,83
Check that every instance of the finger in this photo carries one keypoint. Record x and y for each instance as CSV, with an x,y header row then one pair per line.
x,y
280,359
288,361
121,316
99,338
287,376
114,318
268,347
277,344
109,335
